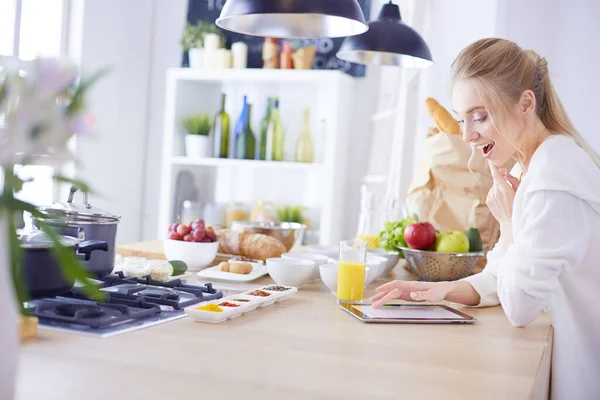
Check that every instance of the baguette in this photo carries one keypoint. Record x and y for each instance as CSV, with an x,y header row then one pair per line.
x,y
442,118
253,245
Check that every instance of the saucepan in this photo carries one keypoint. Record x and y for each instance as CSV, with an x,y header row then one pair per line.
x,y
40,270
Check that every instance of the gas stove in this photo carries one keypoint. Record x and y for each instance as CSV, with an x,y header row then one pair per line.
x,y
131,304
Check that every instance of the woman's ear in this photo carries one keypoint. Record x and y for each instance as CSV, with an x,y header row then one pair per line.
x,y
527,102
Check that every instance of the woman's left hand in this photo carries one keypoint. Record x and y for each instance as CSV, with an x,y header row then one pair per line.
x,y
501,196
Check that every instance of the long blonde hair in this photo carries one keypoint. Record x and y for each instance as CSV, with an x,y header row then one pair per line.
x,y
502,71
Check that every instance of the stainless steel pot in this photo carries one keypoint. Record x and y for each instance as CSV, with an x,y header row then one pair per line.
x,y
69,218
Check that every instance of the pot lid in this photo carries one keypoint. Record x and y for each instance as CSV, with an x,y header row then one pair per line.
x,y
40,240
76,212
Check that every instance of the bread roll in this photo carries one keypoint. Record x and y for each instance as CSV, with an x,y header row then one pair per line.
x,y
442,118
254,245
240,268
224,267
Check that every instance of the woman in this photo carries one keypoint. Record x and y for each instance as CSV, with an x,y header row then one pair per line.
x,y
548,255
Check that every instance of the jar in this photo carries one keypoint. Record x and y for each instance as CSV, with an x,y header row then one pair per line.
x,y
235,212
271,53
135,267
369,220
159,270
263,212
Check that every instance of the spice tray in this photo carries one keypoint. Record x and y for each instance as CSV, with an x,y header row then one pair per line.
x,y
231,307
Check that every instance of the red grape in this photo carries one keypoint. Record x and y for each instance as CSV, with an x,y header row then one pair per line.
x,y
199,234
206,240
198,224
173,228
183,229
175,236
210,233
188,238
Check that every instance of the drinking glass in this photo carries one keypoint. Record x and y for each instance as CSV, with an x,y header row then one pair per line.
x,y
351,272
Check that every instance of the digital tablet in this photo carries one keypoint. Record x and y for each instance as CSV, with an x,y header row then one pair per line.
x,y
408,314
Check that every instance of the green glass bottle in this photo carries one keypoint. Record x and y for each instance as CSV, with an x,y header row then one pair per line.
x,y
275,136
245,148
263,130
221,132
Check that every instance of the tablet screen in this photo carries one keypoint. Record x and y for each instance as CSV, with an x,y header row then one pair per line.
x,y
407,312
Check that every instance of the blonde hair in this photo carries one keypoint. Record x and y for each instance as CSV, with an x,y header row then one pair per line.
x,y
502,71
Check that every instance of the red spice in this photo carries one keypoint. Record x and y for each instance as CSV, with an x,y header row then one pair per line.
x,y
228,304
259,293
242,300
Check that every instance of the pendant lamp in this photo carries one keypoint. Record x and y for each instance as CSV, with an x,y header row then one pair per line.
x,y
301,19
389,41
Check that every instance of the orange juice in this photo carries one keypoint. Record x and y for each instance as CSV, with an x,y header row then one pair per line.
x,y
372,240
351,281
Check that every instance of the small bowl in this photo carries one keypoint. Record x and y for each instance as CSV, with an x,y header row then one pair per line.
x,y
377,264
289,271
392,258
288,233
318,259
327,251
197,256
329,276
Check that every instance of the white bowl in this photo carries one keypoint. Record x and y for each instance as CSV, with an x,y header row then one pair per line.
x,y
392,258
318,259
329,276
196,255
327,251
289,271
377,264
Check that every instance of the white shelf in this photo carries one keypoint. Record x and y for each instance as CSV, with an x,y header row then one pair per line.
x,y
255,75
234,163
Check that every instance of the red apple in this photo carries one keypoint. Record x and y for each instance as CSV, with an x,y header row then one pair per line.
x,y
183,229
420,236
175,236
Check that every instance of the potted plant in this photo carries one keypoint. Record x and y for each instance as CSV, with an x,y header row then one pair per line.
x,y
192,41
197,139
42,105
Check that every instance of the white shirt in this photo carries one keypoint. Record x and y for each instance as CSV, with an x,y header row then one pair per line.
x,y
553,263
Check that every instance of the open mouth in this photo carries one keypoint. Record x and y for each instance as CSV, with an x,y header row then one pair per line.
x,y
486,149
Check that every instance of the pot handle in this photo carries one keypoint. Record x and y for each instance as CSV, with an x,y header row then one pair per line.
x,y
85,197
88,246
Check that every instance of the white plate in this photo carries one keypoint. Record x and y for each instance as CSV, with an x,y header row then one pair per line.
x,y
258,270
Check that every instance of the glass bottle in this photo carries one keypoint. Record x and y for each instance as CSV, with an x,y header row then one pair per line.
x,y
304,147
245,146
275,136
239,126
263,130
221,132
369,220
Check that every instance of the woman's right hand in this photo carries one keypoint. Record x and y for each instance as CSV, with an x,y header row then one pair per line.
x,y
433,292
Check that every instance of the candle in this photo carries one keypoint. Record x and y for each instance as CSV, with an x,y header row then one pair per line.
x,y
212,41
224,58
239,51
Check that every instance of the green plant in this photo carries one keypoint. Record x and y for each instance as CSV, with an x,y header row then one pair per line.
x,y
193,35
198,124
290,214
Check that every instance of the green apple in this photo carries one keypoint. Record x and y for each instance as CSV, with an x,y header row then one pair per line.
x,y
452,242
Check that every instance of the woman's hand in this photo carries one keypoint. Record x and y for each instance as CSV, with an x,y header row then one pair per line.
x,y
433,292
501,196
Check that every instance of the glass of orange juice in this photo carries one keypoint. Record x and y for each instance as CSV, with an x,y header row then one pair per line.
x,y
351,272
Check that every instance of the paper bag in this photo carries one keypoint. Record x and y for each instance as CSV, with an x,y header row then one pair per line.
x,y
450,186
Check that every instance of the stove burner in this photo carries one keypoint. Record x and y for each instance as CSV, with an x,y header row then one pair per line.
x,y
78,311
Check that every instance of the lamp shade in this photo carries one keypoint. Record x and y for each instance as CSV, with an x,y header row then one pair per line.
x,y
389,41
302,19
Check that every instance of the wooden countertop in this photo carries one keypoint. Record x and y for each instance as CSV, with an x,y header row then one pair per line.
x,y
305,347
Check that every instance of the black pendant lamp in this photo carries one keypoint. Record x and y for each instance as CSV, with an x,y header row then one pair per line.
x,y
301,19
389,41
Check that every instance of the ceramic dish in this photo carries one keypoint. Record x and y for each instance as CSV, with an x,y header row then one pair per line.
x,y
215,272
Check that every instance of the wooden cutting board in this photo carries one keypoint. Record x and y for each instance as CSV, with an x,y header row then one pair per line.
x,y
153,249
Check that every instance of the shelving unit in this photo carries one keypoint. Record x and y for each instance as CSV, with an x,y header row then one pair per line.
x,y
318,186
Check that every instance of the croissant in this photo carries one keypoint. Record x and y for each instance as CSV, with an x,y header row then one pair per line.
x,y
442,118
253,245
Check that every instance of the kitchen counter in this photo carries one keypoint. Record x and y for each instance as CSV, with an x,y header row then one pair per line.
x,y
304,347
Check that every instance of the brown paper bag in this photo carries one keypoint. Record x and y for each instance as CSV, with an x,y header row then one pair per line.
x,y
449,195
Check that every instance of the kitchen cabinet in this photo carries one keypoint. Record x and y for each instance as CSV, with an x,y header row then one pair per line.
x,y
318,186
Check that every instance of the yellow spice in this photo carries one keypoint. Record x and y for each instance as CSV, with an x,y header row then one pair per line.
x,y
211,307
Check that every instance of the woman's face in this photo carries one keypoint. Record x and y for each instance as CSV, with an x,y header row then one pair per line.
x,y
476,125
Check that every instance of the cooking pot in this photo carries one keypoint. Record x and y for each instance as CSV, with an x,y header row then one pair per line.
x,y
68,219
41,272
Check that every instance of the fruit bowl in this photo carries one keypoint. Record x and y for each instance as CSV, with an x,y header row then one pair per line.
x,y
196,255
433,266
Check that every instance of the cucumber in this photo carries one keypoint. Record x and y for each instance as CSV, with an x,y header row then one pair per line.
x,y
178,267
474,236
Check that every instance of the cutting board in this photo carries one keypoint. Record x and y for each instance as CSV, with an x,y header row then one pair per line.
x,y
153,249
